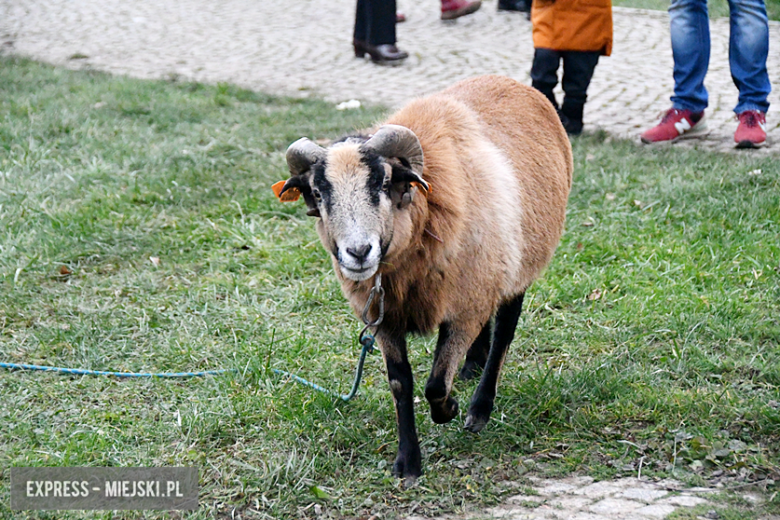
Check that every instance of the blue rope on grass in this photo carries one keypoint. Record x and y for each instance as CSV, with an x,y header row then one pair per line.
x,y
83,372
368,346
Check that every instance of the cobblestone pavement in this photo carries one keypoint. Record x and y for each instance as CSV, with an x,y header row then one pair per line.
x,y
580,498
303,47
296,47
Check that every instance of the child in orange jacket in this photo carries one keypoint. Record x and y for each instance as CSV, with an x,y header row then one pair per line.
x,y
577,32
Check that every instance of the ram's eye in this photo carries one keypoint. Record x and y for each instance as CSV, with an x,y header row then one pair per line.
x,y
316,194
386,185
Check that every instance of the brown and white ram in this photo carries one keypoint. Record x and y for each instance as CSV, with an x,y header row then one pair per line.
x,y
459,201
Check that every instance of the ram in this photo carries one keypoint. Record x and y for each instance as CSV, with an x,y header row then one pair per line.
x,y
458,202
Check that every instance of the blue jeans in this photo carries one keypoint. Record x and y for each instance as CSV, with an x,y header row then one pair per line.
x,y
748,49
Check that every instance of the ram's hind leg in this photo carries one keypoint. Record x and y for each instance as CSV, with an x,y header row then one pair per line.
x,y
477,354
453,342
503,334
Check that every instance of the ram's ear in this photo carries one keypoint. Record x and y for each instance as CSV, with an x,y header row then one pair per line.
x,y
287,191
407,175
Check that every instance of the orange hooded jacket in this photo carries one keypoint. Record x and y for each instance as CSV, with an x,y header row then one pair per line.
x,y
573,25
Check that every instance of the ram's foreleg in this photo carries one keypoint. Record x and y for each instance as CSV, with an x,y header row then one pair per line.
x,y
399,374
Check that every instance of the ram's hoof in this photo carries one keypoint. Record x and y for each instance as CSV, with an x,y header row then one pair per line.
x,y
442,413
407,467
474,424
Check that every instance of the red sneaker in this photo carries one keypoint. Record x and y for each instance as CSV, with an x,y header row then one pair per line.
x,y
451,9
751,131
676,124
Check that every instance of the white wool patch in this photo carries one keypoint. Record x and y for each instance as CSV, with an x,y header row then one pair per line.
x,y
504,212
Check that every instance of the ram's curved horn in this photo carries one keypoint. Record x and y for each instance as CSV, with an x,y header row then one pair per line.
x,y
398,141
302,154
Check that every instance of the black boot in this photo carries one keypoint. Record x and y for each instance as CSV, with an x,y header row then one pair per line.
x,y
571,116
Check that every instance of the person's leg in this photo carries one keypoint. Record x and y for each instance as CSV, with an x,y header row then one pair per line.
x,y
381,22
544,72
361,22
748,50
578,70
690,31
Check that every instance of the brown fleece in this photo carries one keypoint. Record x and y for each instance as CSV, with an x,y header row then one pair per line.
x,y
452,268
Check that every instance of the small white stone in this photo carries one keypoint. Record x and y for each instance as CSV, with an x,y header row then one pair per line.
x,y
348,105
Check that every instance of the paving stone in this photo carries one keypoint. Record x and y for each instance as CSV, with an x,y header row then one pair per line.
x,y
644,494
615,506
551,488
598,489
701,490
505,511
669,483
294,48
656,510
752,499
569,502
521,513
683,500
579,480
519,499
584,516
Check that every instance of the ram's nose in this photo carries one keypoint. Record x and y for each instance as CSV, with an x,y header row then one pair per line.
x,y
360,253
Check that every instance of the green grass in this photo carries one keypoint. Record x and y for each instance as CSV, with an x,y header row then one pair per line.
x,y
717,8
652,339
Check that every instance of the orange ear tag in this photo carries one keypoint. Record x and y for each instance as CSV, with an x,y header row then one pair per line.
x,y
291,195
422,188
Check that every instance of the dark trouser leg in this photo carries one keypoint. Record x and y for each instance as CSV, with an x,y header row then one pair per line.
x,y
380,21
544,72
578,70
477,354
503,334
361,22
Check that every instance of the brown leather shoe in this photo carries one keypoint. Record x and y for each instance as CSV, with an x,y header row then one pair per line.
x,y
386,54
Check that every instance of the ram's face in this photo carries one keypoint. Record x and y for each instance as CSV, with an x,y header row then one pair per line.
x,y
351,192
360,189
